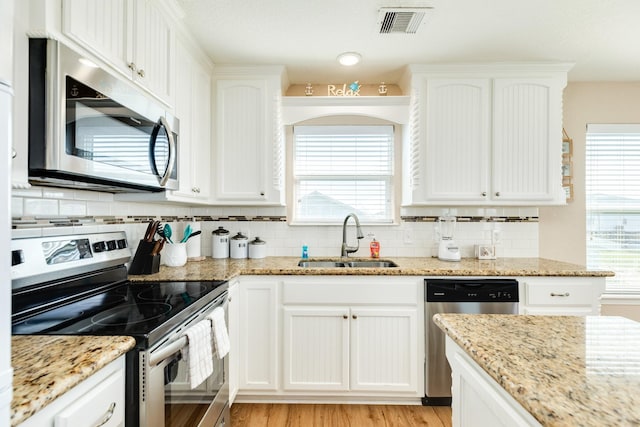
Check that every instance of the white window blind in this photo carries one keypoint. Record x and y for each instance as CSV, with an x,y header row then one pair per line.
x,y
613,203
342,169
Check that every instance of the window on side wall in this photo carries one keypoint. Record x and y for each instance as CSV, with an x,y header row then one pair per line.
x,y
613,203
342,169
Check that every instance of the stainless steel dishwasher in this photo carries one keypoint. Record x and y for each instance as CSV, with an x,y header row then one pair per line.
x,y
472,296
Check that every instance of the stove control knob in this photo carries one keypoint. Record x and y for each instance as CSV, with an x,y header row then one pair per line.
x,y
99,247
122,243
111,245
17,257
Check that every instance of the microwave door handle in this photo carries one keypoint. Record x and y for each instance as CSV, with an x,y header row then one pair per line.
x,y
162,123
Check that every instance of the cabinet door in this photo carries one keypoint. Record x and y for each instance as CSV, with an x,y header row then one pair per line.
x,y
258,346
384,353
234,330
101,26
316,348
527,136
241,155
152,49
193,109
457,139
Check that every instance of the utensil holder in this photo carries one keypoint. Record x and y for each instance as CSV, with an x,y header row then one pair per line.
x,y
143,262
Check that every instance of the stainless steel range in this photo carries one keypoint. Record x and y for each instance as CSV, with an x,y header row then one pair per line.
x,y
78,285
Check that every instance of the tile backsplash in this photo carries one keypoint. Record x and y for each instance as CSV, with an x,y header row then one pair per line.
x,y
47,211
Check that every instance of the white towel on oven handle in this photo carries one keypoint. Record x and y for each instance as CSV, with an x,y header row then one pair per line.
x,y
219,332
197,353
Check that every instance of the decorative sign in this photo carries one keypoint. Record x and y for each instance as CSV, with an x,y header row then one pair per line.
x,y
353,90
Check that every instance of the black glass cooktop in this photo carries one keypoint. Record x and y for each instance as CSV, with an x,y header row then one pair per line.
x,y
140,310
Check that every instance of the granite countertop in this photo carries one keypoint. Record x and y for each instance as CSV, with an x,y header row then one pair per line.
x,y
45,367
564,370
225,269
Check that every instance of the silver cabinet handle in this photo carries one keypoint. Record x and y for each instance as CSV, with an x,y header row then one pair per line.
x,y
484,194
108,415
497,194
553,294
141,73
131,66
14,153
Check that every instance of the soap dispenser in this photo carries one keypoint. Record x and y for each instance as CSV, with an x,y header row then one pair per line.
x,y
374,247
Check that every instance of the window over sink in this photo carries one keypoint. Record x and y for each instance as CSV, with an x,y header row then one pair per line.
x,y
339,169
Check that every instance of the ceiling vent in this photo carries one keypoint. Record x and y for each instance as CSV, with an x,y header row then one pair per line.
x,y
404,20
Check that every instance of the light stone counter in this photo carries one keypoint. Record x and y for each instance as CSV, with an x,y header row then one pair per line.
x,y
224,269
45,367
564,370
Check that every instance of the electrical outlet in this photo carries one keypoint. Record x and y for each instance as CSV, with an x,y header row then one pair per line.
x,y
407,237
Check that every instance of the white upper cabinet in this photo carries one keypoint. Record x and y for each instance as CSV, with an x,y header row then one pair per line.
x,y
249,136
135,37
485,136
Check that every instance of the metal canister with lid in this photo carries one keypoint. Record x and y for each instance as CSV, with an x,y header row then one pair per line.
x,y
257,248
239,246
220,243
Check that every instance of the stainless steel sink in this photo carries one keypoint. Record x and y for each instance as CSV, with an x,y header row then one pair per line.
x,y
321,264
371,264
352,264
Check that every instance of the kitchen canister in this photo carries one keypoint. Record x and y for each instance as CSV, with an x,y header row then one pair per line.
x,y
257,248
238,246
220,243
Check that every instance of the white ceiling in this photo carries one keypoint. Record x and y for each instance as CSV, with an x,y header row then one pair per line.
x,y
602,37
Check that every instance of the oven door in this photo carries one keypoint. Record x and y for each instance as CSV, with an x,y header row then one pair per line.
x,y
169,399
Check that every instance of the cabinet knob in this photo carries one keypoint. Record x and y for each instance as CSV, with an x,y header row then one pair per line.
x,y
132,66
262,193
354,316
141,73
14,153
554,294
497,194
195,190
344,316
484,194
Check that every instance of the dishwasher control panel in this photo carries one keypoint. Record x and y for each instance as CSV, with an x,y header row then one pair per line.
x,y
471,290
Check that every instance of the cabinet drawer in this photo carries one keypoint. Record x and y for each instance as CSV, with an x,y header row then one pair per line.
x,y
102,406
559,294
356,290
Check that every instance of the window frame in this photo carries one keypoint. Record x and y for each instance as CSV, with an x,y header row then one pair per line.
x,y
346,120
618,284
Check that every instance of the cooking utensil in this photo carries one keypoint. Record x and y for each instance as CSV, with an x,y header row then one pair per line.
x,y
195,233
167,232
187,232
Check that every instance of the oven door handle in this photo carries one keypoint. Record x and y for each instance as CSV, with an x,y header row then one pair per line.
x,y
166,352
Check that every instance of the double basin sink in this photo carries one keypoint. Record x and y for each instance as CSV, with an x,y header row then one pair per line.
x,y
347,264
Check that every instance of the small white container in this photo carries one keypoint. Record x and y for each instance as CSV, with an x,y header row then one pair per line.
x,y
220,243
174,254
257,248
238,246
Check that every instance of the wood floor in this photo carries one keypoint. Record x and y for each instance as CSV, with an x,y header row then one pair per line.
x,y
310,415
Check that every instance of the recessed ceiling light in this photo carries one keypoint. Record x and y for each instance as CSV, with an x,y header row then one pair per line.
x,y
349,58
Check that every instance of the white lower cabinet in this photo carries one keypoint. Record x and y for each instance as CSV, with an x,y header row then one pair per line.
x,y
356,336
477,399
258,334
97,401
579,296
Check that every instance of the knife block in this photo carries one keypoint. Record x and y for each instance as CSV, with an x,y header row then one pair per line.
x,y
143,262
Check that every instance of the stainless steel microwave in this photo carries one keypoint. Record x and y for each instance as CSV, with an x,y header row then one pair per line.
x,y
92,130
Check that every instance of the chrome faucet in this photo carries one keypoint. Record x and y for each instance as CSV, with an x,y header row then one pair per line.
x,y
346,250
